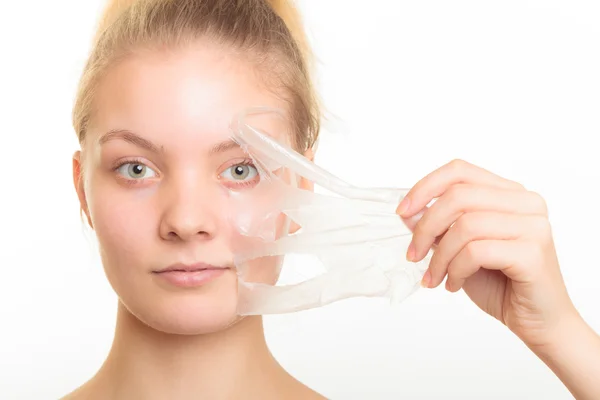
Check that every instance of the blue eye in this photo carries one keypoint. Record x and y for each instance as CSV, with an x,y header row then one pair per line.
x,y
136,171
240,172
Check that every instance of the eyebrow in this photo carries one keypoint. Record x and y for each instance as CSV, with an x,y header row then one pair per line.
x,y
224,146
130,137
139,141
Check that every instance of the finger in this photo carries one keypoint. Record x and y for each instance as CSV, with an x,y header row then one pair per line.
x,y
508,256
412,222
475,227
463,198
437,182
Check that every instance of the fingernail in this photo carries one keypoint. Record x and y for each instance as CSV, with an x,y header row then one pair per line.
x,y
403,206
411,252
426,279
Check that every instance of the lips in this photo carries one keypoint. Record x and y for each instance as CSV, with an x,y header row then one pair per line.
x,y
190,268
190,275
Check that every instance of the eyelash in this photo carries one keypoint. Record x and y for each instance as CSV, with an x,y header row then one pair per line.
x,y
127,181
245,184
133,182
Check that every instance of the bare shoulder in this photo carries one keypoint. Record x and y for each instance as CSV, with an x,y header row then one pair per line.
x,y
300,391
85,391
74,395
313,395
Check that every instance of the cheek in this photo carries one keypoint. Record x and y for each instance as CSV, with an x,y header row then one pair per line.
x,y
266,269
260,223
124,224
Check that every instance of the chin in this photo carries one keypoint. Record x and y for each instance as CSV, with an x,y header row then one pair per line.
x,y
190,311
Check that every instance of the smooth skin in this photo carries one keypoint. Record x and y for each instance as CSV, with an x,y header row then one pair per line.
x,y
492,238
175,344
169,342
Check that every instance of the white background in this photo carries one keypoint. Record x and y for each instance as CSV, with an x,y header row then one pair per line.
x,y
513,86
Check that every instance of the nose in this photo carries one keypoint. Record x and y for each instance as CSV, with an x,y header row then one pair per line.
x,y
190,213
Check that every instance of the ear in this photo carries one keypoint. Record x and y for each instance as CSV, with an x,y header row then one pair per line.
x,y
304,183
79,187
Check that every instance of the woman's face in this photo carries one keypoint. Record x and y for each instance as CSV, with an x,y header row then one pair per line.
x,y
157,165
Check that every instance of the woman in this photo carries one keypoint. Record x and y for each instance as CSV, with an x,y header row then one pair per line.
x,y
163,81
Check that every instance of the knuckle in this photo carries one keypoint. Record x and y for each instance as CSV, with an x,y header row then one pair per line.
x,y
541,226
471,251
454,194
466,225
534,256
457,163
518,186
542,232
539,203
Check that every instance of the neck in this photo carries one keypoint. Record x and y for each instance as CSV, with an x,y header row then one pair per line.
x,y
232,363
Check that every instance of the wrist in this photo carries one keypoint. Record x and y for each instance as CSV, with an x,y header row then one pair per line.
x,y
571,353
569,326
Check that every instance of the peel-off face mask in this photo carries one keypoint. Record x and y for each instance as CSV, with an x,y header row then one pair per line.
x,y
303,238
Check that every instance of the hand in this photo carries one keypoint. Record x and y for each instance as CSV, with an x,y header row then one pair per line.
x,y
492,238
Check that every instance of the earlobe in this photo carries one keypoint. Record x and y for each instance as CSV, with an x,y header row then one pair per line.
x,y
79,187
310,154
305,184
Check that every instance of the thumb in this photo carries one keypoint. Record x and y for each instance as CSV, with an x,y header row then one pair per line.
x,y
412,221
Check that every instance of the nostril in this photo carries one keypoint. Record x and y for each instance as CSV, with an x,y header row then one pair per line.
x,y
184,223
173,235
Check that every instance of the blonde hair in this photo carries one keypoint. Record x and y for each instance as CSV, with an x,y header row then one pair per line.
x,y
268,31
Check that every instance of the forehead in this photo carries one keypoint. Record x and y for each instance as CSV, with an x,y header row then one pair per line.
x,y
197,89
